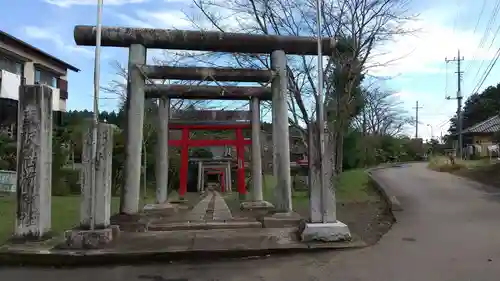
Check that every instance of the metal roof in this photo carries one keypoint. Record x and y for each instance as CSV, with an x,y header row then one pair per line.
x,y
490,125
29,46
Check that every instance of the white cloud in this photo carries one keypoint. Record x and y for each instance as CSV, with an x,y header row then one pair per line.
x,y
402,94
425,51
186,17
69,3
134,22
157,19
44,34
166,19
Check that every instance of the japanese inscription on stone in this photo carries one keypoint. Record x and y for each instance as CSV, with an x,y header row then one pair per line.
x,y
28,214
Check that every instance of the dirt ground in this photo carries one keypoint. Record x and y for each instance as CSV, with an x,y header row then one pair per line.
x,y
488,174
368,220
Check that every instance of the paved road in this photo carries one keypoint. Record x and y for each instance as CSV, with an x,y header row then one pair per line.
x,y
449,230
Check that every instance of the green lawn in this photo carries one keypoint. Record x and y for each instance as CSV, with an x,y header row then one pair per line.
x,y
65,213
352,186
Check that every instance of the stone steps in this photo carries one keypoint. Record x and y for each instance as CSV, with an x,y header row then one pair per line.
x,y
210,213
206,225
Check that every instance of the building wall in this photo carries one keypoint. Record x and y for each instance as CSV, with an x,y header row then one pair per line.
x,y
33,58
29,68
486,139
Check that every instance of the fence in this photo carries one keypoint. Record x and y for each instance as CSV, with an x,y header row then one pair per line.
x,y
7,181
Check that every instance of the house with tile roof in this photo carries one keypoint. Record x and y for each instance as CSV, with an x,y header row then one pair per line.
x,y
483,133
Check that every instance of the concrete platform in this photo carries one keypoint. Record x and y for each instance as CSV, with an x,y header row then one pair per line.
x,y
133,248
281,220
89,239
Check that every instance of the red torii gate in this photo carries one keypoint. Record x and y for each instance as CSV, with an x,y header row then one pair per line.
x,y
185,142
220,172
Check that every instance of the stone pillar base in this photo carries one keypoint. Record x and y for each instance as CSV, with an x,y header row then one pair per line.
x,y
278,220
256,205
324,232
90,239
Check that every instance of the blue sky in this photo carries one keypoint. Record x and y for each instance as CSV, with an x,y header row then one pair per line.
x,y
420,75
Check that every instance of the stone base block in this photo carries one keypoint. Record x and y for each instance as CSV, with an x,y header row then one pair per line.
x,y
165,209
324,232
164,206
282,220
90,239
256,205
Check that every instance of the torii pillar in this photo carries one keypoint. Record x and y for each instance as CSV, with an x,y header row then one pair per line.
x,y
257,198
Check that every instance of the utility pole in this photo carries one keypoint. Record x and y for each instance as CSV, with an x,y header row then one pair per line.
x,y
459,73
416,118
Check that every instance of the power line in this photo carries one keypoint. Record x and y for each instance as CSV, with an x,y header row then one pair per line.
x,y
487,72
492,63
486,31
484,37
480,16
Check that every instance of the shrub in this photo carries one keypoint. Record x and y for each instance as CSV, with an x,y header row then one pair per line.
x,y
72,179
443,164
60,187
66,182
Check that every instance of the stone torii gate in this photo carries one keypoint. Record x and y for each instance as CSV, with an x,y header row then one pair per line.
x,y
138,40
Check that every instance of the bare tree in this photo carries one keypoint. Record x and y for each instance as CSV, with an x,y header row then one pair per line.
x,y
363,25
383,114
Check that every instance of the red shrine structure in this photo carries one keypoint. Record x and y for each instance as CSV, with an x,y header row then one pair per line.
x,y
185,142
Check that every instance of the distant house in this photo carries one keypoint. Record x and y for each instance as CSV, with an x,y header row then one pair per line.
x,y
21,62
483,134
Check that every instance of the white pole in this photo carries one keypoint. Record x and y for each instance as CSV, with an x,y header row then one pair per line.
x,y
97,73
320,117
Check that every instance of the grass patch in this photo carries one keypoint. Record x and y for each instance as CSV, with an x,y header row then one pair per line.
x,y
352,186
65,213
